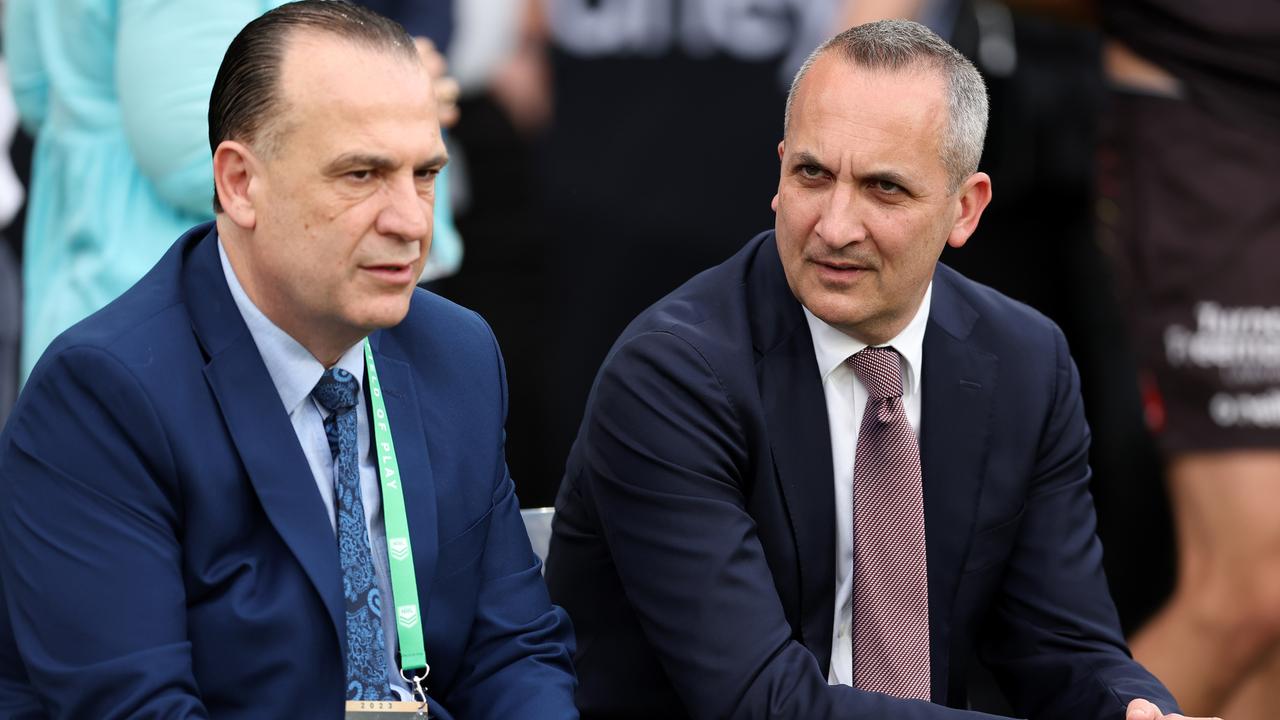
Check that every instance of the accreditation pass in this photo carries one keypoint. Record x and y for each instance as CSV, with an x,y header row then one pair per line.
x,y
385,710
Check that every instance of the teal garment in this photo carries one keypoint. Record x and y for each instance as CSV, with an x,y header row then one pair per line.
x,y
445,257
116,93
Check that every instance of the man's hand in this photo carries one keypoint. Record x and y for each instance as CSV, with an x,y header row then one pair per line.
x,y
1144,710
446,88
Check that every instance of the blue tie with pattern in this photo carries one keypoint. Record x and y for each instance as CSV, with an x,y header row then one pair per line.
x,y
366,652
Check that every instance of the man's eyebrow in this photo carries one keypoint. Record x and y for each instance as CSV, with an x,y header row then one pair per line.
x,y
890,176
358,160
435,162
804,157
370,161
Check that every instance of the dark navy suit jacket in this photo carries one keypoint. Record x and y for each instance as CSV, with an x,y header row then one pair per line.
x,y
694,538
163,549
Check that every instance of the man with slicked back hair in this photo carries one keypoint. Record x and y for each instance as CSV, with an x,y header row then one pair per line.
x,y
268,481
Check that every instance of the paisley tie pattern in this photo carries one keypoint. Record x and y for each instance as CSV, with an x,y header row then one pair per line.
x,y
337,392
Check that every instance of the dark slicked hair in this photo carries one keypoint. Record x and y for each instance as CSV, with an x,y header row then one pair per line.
x,y
247,93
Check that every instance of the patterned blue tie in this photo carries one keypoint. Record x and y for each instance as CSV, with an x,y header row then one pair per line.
x,y
366,653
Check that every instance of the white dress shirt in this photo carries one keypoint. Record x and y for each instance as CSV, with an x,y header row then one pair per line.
x,y
295,372
846,400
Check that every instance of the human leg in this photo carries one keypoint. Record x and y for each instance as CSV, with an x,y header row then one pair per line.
x,y
1222,624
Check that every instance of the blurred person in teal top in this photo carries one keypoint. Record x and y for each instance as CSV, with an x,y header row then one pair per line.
x,y
116,93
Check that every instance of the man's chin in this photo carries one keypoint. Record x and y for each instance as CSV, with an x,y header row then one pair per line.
x,y
387,313
852,320
836,310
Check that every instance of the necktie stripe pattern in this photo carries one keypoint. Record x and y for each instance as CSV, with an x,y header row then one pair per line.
x,y
891,592
366,648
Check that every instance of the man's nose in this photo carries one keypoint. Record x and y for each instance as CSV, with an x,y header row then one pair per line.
x,y
408,213
842,222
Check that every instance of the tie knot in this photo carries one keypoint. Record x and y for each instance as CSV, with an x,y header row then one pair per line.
x,y
336,391
879,369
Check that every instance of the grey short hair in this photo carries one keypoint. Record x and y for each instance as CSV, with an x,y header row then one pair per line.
x,y
900,45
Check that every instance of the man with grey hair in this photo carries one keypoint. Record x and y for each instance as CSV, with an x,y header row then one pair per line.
x,y
819,477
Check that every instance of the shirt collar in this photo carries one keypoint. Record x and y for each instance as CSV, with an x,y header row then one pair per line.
x,y
832,347
293,369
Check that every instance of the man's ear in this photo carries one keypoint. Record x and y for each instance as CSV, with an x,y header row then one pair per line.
x,y
235,173
973,197
782,147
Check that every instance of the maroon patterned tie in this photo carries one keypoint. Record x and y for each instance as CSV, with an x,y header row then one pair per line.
x,y
890,584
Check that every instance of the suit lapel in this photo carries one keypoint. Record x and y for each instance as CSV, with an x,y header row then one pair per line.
x,y
260,428
795,412
958,384
278,470
403,412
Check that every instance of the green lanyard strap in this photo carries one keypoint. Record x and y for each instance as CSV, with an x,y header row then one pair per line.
x,y
404,584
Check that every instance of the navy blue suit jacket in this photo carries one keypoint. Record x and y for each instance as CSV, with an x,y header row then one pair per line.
x,y
163,549
694,538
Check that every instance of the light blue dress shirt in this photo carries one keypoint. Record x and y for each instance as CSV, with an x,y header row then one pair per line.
x,y
295,372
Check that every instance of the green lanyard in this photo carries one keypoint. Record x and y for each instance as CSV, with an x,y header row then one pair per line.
x,y
404,584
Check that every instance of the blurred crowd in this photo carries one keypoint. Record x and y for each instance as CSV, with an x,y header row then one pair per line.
x,y
604,151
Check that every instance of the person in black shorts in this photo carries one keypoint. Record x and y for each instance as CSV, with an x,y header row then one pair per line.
x,y
1189,210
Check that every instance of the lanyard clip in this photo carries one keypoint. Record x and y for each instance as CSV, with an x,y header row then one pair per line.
x,y
419,690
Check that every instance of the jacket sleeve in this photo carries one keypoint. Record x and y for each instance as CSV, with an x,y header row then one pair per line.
x,y
27,74
18,701
666,457
89,545
518,660
1054,639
